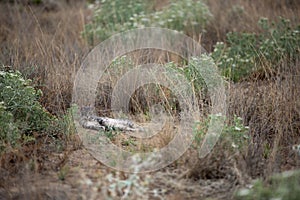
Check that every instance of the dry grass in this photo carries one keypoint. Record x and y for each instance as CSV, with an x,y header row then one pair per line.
x,y
242,16
45,45
271,108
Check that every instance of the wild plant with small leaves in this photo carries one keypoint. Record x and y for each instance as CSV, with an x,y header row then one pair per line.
x,y
112,17
20,111
244,53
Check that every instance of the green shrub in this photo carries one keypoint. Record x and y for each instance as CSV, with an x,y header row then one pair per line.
x,y
186,16
109,18
20,111
234,134
247,52
279,40
9,132
280,186
116,16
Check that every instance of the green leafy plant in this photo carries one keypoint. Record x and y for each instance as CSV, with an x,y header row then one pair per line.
x,y
116,16
279,41
235,134
244,53
186,16
194,70
110,16
281,186
237,58
20,111
9,132
135,185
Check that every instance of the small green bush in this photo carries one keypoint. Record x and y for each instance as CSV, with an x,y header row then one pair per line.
x,y
234,134
20,110
186,16
116,16
280,186
246,52
109,18
9,132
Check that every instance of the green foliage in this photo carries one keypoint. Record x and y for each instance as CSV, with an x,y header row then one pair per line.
x,y
136,185
194,70
236,134
185,16
116,16
131,188
119,67
9,132
279,41
247,52
65,122
110,16
281,186
110,133
20,111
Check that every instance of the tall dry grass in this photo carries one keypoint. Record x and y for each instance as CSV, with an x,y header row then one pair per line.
x,y
46,46
271,108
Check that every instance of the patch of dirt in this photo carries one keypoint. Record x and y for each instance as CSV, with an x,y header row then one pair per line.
x,y
75,174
